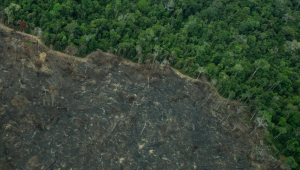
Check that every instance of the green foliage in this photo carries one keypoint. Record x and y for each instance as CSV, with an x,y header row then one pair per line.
x,y
250,47
142,4
291,162
10,10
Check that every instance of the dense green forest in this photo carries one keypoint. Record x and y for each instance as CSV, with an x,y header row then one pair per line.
x,y
248,48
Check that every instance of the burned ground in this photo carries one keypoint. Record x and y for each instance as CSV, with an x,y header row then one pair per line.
x,y
103,112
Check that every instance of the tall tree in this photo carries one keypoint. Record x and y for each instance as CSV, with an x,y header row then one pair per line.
x,y
260,64
10,10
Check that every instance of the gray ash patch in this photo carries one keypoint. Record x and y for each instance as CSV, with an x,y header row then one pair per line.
x,y
104,114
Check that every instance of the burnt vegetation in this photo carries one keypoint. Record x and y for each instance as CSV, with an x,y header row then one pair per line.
x,y
106,112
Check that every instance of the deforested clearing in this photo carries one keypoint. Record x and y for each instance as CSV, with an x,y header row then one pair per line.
x,y
104,112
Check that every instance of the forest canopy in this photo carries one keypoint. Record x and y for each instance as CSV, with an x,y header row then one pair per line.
x,y
250,49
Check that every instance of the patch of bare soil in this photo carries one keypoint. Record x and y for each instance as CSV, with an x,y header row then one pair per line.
x,y
104,112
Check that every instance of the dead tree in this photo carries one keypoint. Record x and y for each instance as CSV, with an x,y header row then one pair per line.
x,y
16,44
53,90
51,48
23,62
260,122
2,51
23,25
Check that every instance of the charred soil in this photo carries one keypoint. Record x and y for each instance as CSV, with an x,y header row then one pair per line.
x,y
104,112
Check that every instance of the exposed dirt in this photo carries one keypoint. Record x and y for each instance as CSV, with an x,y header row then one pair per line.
x,y
104,112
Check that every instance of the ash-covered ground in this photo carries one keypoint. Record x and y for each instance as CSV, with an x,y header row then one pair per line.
x,y
104,112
